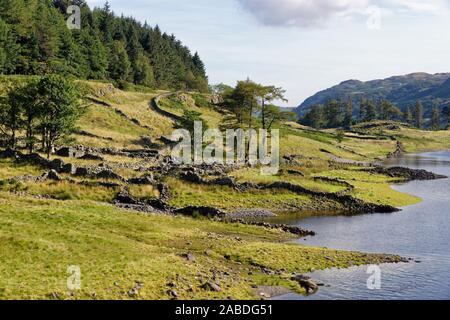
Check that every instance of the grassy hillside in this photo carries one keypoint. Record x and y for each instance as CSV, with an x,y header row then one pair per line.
x,y
47,225
119,119
118,251
108,118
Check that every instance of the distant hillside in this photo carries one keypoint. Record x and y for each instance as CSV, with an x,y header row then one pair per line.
x,y
404,91
35,40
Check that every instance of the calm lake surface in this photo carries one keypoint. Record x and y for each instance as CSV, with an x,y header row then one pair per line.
x,y
420,231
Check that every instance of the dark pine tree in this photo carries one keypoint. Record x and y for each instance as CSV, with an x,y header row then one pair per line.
x,y
435,122
418,115
34,39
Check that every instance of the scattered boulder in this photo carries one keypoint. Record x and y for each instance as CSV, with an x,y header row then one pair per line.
x,y
306,283
210,286
33,158
160,205
68,168
225,181
173,294
70,152
8,153
108,174
126,201
202,211
124,197
90,156
82,172
57,165
51,175
189,256
191,176
134,292
145,180
164,192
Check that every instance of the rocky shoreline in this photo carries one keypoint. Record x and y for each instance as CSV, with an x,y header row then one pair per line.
x,y
406,174
196,174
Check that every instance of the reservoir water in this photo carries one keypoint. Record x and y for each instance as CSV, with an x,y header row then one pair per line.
x,y
420,231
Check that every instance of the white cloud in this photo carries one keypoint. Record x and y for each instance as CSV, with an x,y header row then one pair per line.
x,y
421,6
303,13
306,13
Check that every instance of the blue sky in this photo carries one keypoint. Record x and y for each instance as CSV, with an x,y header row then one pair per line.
x,y
304,45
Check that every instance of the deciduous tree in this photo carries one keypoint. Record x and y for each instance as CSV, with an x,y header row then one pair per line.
x,y
58,98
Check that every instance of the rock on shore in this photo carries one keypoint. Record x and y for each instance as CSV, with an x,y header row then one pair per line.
x,y
407,173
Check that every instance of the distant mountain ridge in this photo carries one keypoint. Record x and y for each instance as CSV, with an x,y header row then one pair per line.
x,y
404,91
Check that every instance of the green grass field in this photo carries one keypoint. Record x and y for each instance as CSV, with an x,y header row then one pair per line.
x,y
115,249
